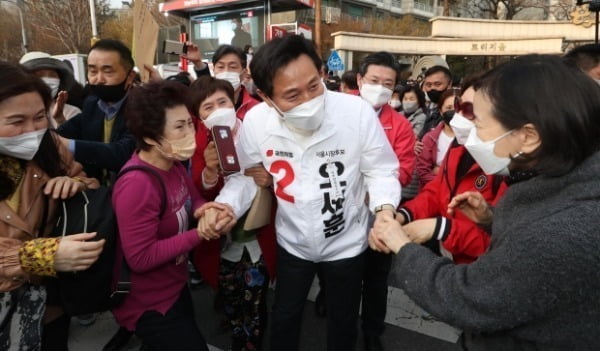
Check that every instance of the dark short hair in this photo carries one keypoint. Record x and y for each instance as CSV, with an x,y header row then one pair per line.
x,y
181,77
437,69
415,89
557,99
470,81
146,109
349,78
119,47
229,49
16,80
398,89
381,58
277,54
206,86
585,57
446,94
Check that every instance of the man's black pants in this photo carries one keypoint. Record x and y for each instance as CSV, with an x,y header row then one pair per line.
x,y
374,294
294,279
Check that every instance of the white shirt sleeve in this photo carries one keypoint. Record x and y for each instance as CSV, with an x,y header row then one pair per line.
x,y
378,163
240,190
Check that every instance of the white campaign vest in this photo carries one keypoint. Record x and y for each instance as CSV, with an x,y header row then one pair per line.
x,y
321,191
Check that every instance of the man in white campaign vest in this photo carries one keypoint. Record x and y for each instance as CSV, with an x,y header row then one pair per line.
x,y
325,151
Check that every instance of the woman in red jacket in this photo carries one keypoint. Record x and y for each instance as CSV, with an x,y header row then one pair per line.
x,y
436,142
425,217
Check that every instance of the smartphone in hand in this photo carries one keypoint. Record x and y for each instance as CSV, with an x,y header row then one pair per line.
x,y
174,47
228,159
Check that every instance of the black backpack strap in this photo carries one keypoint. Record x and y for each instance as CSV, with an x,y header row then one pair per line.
x,y
151,171
124,282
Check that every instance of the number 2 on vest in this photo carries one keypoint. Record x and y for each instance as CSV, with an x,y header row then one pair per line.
x,y
288,178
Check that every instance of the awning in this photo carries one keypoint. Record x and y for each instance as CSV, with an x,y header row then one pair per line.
x,y
195,5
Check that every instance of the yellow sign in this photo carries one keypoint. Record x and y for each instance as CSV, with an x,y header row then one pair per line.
x,y
582,16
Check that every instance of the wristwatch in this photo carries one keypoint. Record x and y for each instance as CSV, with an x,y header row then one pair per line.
x,y
386,207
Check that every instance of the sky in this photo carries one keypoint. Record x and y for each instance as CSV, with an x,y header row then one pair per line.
x,y
115,3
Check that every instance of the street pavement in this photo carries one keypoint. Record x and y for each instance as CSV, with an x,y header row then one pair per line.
x,y
408,328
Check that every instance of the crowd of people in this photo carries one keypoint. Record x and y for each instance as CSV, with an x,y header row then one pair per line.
x,y
482,192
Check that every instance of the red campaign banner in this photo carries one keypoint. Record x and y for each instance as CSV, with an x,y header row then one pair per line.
x,y
309,3
276,32
189,4
175,5
304,30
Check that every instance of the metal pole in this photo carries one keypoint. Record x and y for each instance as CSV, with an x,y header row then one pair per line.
x,y
93,18
318,25
597,18
23,32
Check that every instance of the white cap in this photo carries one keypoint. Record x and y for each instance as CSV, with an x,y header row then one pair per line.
x,y
33,55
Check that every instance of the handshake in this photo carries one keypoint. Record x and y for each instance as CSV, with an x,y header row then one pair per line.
x,y
387,235
214,220
390,235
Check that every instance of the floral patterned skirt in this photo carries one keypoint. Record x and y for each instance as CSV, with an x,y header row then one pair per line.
x,y
243,287
21,314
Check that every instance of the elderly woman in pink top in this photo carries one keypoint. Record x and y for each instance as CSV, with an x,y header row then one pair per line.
x,y
155,231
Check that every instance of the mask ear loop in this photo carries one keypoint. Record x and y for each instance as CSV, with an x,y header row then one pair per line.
x,y
281,115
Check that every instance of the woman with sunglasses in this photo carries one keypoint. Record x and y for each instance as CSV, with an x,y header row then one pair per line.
x,y
538,286
425,217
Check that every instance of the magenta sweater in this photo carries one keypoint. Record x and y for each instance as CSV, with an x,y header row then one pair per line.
x,y
156,250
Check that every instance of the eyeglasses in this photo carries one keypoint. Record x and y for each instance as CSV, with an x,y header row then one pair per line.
x,y
464,108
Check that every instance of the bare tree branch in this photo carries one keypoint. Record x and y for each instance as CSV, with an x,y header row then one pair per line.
x,y
66,21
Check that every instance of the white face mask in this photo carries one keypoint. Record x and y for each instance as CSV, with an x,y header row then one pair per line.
x,y
597,81
53,84
395,104
375,94
483,153
221,117
23,146
231,77
461,127
306,116
410,106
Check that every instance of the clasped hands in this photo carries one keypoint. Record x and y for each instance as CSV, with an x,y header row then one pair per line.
x,y
214,220
388,235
